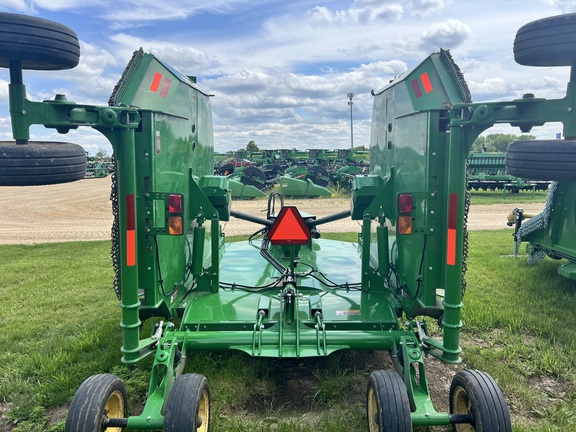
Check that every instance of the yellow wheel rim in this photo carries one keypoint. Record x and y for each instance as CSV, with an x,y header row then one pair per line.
x,y
372,411
114,409
462,405
204,412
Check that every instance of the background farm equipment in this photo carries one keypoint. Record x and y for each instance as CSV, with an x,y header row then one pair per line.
x,y
487,171
305,181
286,292
96,168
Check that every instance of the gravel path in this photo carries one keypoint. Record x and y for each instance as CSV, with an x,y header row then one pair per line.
x,y
81,211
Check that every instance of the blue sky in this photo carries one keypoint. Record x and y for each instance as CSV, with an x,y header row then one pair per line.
x,y
280,70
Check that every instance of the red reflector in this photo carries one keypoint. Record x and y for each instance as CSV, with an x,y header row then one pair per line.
x,y
165,87
426,82
405,203
289,228
156,82
174,204
130,212
130,231
453,211
451,240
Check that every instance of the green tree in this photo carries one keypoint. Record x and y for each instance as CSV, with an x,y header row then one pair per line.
x,y
498,142
101,153
252,147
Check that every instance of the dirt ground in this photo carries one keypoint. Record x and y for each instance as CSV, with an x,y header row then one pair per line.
x,y
81,211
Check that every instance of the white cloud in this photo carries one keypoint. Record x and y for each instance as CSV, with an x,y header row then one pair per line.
x,y
426,7
3,91
362,12
566,6
18,5
488,86
448,34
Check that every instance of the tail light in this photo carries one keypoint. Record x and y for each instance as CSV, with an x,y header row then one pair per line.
x,y
175,220
405,206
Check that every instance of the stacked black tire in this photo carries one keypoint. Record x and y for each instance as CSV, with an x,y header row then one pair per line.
x,y
38,44
545,42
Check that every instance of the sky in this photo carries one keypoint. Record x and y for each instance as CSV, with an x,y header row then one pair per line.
x,y
280,71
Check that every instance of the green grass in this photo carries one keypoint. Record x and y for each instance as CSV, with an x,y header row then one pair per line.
x,y
60,325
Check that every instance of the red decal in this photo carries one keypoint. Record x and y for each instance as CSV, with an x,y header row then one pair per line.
x,y
426,82
416,88
451,255
453,211
156,82
130,231
165,87
130,248
452,219
130,212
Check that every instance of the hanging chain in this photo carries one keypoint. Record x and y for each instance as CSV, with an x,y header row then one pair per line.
x,y
465,233
115,233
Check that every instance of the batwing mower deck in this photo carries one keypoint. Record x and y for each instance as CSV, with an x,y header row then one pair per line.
x,y
286,292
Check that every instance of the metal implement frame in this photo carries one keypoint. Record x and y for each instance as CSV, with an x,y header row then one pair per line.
x,y
294,320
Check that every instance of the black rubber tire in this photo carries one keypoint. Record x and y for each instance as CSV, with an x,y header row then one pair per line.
x,y
188,405
476,393
542,160
547,42
387,407
40,44
40,163
96,398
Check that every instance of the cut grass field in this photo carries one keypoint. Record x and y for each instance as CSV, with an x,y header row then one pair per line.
x,y
61,324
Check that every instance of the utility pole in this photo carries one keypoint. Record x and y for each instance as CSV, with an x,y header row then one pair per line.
x,y
350,96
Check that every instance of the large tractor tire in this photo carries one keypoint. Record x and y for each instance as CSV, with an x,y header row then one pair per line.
x,y
40,163
38,43
542,160
547,42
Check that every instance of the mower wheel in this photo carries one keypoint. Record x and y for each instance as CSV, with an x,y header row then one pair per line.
x,y
542,160
188,405
40,163
547,42
476,393
387,405
97,399
39,44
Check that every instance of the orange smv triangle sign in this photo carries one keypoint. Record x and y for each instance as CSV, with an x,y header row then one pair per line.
x,y
289,228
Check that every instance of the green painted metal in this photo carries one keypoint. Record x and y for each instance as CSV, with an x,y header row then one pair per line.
x,y
240,190
287,301
301,187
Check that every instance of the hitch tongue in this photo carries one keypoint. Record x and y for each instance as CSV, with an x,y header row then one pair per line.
x,y
289,304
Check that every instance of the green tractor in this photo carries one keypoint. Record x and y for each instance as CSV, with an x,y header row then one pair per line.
x,y
286,292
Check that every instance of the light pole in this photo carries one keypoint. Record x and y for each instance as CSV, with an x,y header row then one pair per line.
x,y
350,96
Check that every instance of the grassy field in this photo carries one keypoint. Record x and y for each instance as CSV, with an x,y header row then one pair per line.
x,y
60,325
